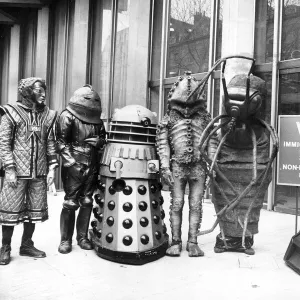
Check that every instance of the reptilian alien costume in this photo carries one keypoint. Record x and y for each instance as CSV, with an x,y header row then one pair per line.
x,y
27,151
80,136
178,137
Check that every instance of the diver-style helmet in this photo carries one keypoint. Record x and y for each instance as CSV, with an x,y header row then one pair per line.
x,y
85,104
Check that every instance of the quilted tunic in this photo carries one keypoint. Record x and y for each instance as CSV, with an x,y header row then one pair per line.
x,y
27,140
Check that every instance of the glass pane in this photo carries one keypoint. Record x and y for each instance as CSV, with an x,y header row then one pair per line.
x,y
216,104
156,36
131,53
265,110
166,96
154,99
57,80
101,51
264,31
289,94
219,30
290,40
288,104
188,42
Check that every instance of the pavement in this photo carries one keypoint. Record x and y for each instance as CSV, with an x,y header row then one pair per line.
x,y
83,275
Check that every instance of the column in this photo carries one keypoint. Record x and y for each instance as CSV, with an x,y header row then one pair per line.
x,y
238,29
138,52
41,58
78,59
13,70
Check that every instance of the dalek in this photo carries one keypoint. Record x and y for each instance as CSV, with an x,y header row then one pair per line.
x,y
128,225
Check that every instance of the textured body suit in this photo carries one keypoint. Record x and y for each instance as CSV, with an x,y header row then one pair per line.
x,y
79,172
27,144
80,160
178,140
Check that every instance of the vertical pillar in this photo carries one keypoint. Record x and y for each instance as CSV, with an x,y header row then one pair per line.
x,y
80,45
41,57
238,27
138,52
13,70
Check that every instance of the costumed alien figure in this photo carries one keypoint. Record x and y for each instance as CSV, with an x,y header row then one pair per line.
x,y
80,137
241,163
27,152
178,138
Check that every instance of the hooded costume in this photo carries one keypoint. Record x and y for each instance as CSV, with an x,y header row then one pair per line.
x,y
27,152
80,136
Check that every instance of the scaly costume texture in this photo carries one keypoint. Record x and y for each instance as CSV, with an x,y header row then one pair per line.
x,y
178,138
80,136
27,152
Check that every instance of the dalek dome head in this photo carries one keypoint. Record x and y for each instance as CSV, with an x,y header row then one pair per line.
x,y
133,124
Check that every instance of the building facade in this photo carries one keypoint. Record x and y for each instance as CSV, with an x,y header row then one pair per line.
x,y
132,51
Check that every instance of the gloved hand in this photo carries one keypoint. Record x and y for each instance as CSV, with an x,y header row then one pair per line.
x,y
50,177
11,177
167,177
96,141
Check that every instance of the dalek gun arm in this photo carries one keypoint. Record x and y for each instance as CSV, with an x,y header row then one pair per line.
x,y
153,166
116,164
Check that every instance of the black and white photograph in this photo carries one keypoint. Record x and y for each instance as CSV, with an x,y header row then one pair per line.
x,y
149,149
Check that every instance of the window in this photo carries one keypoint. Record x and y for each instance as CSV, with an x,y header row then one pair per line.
x,y
264,31
101,51
283,94
189,34
187,46
290,40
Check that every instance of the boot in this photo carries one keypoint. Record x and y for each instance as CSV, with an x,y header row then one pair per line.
x,y
82,226
7,232
175,223
27,246
67,221
27,249
5,255
195,218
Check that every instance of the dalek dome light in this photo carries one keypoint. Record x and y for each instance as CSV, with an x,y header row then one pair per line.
x,y
134,114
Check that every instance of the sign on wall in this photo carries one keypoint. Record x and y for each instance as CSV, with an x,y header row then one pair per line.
x,y
288,162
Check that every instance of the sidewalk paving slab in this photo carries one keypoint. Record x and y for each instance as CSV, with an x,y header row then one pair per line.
x,y
83,275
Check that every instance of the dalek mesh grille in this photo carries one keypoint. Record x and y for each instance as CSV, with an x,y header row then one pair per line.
x,y
132,133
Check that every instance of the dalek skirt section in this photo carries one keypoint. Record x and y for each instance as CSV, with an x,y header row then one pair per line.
x,y
128,225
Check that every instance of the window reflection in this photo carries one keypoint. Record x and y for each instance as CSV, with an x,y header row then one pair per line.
x,y
101,51
189,33
131,53
219,30
290,42
216,104
264,31
289,104
265,110
289,94
121,55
